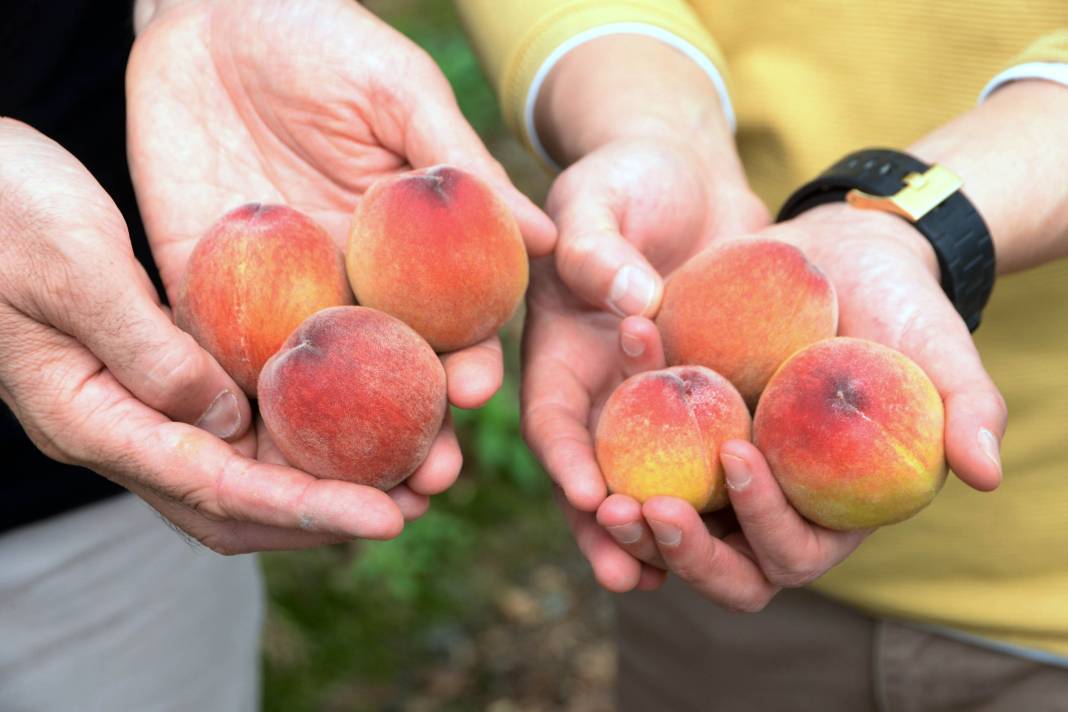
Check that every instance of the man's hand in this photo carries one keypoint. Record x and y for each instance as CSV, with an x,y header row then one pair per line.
x,y
99,375
305,103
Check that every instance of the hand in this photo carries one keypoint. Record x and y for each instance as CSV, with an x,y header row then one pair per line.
x,y
886,277
649,201
99,375
651,180
304,103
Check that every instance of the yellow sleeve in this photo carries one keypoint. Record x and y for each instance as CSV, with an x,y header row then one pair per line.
x,y
514,38
1049,48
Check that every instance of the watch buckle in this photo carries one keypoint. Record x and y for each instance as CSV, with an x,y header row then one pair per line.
x,y
923,192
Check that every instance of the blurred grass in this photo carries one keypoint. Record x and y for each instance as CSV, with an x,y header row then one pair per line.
x,y
484,603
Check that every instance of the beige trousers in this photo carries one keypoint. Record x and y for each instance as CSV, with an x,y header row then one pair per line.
x,y
804,652
106,608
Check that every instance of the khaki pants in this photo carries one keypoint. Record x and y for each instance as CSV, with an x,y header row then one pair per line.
x,y
804,652
106,608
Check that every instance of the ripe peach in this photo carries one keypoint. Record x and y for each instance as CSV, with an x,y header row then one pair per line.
x,y
742,307
660,431
437,249
354,394
253,278
852,431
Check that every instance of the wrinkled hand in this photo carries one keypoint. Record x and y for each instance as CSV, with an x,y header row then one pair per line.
x,y
646,205
305,103
99,375
886,277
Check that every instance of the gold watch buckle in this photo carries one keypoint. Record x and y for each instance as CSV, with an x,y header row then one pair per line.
x,y
922,193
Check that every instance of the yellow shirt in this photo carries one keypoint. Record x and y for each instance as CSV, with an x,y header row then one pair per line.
x,y
811,81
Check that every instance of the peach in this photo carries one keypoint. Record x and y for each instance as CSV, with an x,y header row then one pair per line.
x,y
253,278
660,432
852,431
355,395
742,307
437,249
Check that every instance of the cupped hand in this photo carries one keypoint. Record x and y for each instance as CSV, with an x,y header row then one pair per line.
x,y
99,376
886,278
634,206
304,103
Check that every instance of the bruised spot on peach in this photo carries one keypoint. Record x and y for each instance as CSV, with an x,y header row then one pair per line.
x,y
853,432
356,395
742,307
437,249
660,432
253,278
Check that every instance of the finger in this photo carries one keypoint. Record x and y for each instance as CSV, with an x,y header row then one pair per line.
x,y
123,325
614,569
593,258
975,411
441,134
442,465
791,551
642,348
411,505
474,374
651,578
134,445
561,441
710,566
621,517
232,538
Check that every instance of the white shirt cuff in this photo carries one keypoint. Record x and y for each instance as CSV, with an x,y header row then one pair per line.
x,y
619,28
1051,71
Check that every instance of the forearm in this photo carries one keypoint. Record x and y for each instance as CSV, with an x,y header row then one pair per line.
x,y
631,86
1011,153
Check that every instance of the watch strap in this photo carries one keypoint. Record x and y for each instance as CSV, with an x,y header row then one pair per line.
x,y
955,229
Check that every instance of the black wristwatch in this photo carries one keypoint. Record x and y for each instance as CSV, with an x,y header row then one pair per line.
x,y
930,198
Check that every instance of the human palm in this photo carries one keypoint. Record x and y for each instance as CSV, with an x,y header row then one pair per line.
x,y
303,103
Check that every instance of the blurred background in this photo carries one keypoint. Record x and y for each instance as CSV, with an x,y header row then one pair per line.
x,y
484,603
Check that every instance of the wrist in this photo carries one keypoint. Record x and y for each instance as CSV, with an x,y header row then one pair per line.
x,y
1010,153
827,224
613,88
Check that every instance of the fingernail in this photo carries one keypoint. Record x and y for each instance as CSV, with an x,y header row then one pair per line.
x,y
632,345
632,291
666,534
737,472
626,533
223,417
988,443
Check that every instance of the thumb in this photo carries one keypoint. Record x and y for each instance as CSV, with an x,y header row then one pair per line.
x,y
593,258
120,320
439,133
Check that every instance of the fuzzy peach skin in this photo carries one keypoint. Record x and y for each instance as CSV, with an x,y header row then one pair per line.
x,y
356,395
853,432
252,279
660,431
742,307
437,249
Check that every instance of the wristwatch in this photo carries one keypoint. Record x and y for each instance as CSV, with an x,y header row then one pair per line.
x,y
930,198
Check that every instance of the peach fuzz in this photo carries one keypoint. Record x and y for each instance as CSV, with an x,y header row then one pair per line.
x,y
252,279
742,307
853,433
354,395
437,249
660,432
